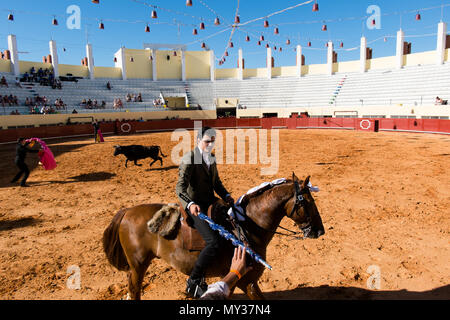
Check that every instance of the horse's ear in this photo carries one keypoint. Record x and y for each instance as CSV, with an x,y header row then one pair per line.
x,y
306,182
294,177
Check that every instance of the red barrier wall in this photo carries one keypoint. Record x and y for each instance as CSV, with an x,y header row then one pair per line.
x,y
131,127
255,123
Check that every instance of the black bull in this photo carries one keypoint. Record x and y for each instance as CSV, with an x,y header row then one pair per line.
x,y
137,152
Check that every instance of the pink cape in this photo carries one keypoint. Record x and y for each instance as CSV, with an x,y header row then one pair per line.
x,y
100,135
47,158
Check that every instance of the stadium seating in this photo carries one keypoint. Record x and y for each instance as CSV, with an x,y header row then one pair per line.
x,y
418,85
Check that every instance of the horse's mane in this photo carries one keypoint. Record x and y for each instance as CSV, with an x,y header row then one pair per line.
x,y
246,199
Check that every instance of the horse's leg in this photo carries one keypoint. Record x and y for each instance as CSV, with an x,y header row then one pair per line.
x,y
137,164
138,258
252,291
136,276
126,163
152,162
160,159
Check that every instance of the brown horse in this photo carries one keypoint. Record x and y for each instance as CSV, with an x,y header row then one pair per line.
x,y
129,246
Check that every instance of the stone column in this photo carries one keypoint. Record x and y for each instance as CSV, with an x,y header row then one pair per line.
x,y
12,47
330,58
399,55
363,55
269,63
441,42
299,61
183,66
121,62
240,67
154,70
90,57
212,64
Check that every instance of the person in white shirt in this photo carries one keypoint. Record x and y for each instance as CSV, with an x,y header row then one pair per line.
x,y
222,289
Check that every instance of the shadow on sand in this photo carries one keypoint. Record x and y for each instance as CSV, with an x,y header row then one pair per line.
x,y
352,293
89,177
162,168
6,225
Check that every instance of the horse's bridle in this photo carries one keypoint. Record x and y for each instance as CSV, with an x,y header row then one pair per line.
x,y
299,202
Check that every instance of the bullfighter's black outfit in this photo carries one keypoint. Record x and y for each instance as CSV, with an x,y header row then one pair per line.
x,y
21,153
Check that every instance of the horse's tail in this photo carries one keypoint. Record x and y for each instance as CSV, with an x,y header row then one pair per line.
x,y
161,152
111,243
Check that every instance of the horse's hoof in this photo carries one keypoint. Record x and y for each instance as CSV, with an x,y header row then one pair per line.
x,y
126,297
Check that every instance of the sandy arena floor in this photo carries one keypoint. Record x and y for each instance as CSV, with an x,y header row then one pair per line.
x,y
384,201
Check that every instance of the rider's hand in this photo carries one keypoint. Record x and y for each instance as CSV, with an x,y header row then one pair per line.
x,y
194,209
230,201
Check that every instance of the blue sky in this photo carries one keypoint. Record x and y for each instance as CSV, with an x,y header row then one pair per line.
x,y
125,22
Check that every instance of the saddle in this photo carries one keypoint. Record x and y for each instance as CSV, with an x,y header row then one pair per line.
x,y
191,238
172,220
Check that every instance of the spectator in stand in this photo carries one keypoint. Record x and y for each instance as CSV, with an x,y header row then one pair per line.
x,y
58,84
26,77
3,82
139,97
103,106
6,100
108,86
18,83
62,104
83,103
16,101
33,75
95,103
74,111
440,102
128,97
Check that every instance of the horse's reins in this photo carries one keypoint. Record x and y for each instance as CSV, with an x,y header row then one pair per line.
x,y
298,202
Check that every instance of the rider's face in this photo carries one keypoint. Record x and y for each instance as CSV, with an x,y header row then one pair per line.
x,y
206,144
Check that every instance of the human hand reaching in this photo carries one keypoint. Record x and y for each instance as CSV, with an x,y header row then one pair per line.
x,y
238,262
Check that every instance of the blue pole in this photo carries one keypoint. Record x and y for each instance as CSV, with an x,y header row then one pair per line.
x,y
224,233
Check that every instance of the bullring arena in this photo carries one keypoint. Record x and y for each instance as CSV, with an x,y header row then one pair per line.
x,y
384,201
379,154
